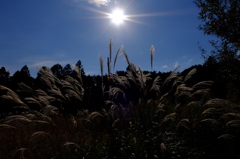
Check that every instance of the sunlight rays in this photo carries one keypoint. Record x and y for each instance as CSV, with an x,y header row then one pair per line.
x,y
118,16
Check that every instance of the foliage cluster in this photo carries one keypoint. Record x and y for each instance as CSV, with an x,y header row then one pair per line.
x,y
221,18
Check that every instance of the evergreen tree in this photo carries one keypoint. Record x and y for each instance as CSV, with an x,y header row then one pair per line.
x,y
67,70
4,76
80,66
22,76
57,70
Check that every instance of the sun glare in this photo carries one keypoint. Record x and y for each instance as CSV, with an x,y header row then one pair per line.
x,y
117,16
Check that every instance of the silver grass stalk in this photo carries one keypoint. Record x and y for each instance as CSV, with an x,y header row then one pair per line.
x,y
50,110
169,118
156,84
40,92
94,116
71,144
18,120
20,153
152,52
219,104
8,92
79,73
110,51
226,137
48,78
233,124
117,54
126,57
6,126
73,88
103,89
141,79
23,88
114,91
131,77
16,102
56,93
230,116
209,122
163,149
171,76
189,75
202,85
39,136
109,65
33,101
101,65
208,113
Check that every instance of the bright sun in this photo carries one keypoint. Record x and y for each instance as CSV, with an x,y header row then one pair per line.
x,y
117,16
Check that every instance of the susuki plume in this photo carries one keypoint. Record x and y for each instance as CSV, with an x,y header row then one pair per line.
x,y
126,57
152,52
110,51
117,54
189,75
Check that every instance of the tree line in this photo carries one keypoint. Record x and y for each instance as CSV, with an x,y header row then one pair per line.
x,y
225,74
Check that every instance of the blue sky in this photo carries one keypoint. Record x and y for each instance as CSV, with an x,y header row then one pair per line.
x,y
46,32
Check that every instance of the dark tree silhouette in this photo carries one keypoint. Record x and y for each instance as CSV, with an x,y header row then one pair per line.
x,y
4,76
22,76
220,18
4,73
67,70
57,71
80,66
25,71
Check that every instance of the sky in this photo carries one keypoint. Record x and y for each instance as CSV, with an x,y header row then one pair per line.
x,y
40,33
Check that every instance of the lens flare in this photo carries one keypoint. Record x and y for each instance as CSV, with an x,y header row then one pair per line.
x,y
117,16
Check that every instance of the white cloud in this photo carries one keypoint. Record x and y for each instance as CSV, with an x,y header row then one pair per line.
x,y
99,2
90,73
96,2
165,66
47,63
190,60
39,61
